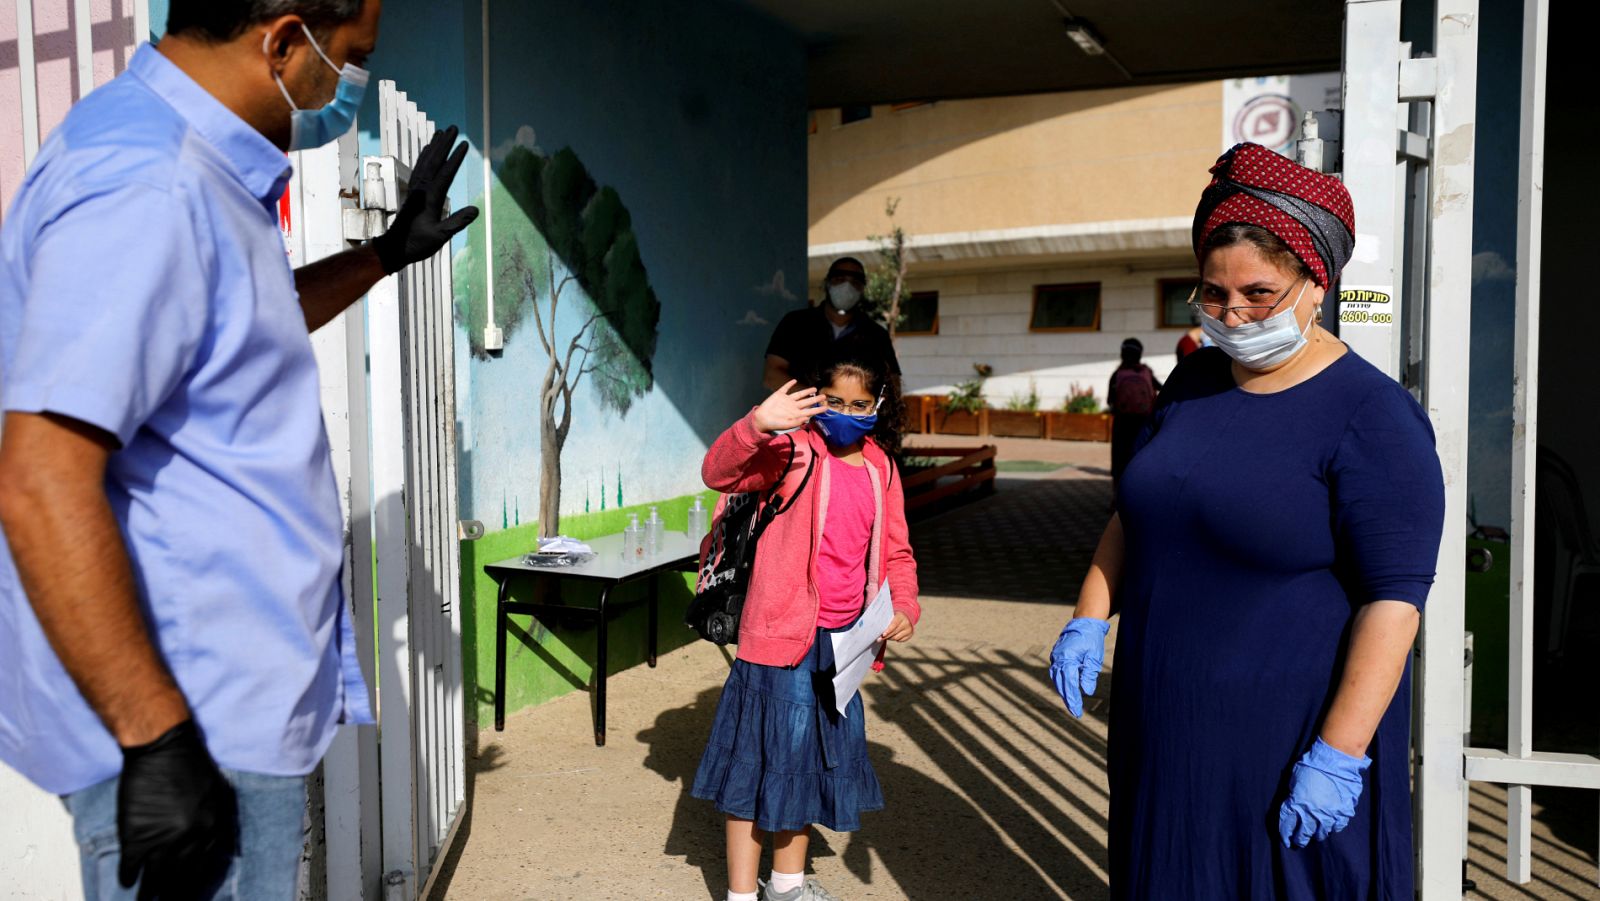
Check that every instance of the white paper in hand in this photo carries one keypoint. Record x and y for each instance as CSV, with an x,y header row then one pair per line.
x,y
856,648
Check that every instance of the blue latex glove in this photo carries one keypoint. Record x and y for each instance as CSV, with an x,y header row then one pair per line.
x,y
1322,795
1076,659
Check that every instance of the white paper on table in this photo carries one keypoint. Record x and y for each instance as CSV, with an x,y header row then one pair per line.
x,y
857,647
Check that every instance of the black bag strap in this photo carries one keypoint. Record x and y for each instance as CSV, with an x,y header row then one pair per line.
x,y
775,505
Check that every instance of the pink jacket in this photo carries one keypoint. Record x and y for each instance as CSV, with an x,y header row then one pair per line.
x,y
780,609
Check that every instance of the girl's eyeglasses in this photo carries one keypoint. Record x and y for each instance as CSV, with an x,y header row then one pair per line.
x,y
854,407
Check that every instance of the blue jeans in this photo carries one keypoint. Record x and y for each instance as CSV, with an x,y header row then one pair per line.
x,y
272,813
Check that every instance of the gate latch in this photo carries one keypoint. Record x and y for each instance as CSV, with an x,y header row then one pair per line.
x,y
383,182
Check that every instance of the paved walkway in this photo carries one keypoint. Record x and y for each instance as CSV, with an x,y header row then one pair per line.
x,y
993,791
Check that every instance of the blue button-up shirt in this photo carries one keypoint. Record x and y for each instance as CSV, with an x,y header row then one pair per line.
x,y
144,289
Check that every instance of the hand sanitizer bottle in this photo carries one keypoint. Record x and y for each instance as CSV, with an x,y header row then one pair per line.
x,y
633,541
697,520
653,528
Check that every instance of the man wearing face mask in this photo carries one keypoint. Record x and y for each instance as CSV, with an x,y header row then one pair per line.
x,y
178,651
833,327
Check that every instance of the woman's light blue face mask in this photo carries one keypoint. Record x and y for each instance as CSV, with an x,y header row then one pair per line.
x,y
313,128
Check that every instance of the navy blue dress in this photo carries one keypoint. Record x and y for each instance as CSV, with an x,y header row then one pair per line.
x,y
1256,526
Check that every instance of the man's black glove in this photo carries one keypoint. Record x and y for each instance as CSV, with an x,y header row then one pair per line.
x,y
177,818
419,229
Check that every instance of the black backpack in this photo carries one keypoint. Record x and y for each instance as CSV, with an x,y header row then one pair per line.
x,y
725,572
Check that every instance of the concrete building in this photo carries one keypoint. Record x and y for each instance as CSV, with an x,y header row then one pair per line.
x,y
1043,229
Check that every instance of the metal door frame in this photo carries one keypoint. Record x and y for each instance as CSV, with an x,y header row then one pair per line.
x,y
1423,111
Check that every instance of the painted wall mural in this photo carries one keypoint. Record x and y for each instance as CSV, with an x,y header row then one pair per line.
x,y
569,245
646,182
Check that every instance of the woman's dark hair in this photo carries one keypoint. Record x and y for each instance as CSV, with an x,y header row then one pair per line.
x,y
224,20
1271,246
880,381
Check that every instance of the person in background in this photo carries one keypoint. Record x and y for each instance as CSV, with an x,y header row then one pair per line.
x,y
781,757
177,649
1193,339
833,327
1131,398
1276,535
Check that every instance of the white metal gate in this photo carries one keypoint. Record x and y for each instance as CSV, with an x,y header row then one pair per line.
x,y
1408,135
417,530
393,797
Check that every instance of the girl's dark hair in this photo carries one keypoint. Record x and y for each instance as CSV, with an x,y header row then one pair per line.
x,y
1271,246
880,381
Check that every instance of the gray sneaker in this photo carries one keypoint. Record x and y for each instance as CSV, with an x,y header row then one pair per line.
x,y
811,891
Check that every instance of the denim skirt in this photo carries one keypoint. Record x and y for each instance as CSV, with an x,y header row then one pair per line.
x,y
781,755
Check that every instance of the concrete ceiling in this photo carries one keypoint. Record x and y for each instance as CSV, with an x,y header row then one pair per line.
x,y
883,51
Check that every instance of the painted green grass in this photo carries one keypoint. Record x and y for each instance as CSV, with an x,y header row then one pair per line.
x,y
548,658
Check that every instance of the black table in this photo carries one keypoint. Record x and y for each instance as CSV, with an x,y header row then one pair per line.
x,y
679,553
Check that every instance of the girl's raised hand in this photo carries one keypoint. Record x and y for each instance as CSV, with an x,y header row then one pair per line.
x,y
783,410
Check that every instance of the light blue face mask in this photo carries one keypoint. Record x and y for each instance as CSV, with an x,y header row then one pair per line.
x,y
310,128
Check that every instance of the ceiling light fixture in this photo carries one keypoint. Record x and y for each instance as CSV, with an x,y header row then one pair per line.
x,y
1084,36
1087,39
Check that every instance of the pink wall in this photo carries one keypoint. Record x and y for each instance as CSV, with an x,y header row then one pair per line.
x,y
56,65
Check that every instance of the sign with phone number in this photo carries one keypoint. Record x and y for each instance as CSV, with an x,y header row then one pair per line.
x,y
1366,306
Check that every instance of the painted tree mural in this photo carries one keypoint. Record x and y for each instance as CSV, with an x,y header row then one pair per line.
x,y
566,257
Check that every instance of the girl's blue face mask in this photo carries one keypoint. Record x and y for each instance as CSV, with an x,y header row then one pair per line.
x,y
310,128
841,429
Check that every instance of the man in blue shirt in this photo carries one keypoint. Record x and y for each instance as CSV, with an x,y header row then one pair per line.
x,y
176,649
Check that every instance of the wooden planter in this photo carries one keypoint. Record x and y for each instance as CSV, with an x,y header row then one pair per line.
x,y
918,409
1016,424
1078,426
950,422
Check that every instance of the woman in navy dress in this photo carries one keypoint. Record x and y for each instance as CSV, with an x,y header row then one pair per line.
x,y
1276,537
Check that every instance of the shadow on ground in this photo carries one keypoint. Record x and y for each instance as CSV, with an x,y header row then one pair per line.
x,y
981,821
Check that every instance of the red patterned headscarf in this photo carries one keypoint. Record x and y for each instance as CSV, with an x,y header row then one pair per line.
x,y
1310,211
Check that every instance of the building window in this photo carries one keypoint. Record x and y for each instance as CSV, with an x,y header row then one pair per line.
x,y
920,314
1172,303
848,114
1066,308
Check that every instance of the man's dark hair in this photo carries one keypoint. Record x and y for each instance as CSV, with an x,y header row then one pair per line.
x,y
835,265
1132,351
224,20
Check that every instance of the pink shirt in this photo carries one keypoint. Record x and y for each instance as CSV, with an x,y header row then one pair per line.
x,y
842,556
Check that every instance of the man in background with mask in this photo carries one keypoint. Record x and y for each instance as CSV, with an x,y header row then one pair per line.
x,y
836,322
177,649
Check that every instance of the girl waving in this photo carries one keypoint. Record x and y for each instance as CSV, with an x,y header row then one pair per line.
x,y
780,756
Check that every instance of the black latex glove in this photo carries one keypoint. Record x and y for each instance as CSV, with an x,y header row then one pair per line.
x,y
177,819
419,229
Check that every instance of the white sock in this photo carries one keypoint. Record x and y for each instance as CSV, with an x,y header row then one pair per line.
x,y
743,896
782,882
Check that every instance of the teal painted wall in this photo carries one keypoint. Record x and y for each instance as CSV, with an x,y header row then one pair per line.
x,y
688,122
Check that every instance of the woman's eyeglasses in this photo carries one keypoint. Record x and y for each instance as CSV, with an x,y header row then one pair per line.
x,y
1250,312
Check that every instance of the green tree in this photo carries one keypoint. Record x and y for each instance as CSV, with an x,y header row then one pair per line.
x,y
563,239
886,279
